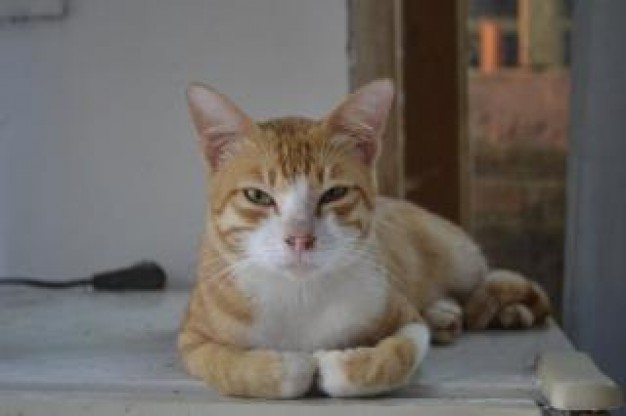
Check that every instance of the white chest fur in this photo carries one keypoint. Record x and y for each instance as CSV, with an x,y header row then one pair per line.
x,y
324,312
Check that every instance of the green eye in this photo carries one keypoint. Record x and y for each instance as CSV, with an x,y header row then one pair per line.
x,y
258,197
333,194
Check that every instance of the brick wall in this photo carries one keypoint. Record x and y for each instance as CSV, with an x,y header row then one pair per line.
x,y
518,126
518,107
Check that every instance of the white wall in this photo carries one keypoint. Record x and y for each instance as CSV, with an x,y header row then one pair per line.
x,y
98,165
595,295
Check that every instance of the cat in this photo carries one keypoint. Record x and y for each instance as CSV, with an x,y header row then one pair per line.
x,y
307,278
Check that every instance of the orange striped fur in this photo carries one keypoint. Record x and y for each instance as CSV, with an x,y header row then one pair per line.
x,y
305,276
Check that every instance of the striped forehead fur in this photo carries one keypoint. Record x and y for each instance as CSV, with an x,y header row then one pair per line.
x,y
297,143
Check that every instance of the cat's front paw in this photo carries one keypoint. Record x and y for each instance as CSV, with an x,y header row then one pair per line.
x,y
371,371
342,374
298,374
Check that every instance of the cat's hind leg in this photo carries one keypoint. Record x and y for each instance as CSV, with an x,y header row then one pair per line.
x,y
506,299
445,318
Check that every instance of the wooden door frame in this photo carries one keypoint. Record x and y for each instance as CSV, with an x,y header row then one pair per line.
x,y
374,49
421,45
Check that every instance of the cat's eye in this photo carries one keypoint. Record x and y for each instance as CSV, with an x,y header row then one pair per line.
x,y
258,197
333,194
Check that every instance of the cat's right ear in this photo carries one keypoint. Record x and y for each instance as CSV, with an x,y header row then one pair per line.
x,y
220,125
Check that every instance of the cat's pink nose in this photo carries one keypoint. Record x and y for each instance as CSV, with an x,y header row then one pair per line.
x,y
301,242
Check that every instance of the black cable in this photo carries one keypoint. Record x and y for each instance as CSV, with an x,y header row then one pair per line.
x,y
48,284
145,275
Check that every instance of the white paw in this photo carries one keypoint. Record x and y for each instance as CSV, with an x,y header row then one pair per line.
x,y
332,366
332,378
298,374
420,335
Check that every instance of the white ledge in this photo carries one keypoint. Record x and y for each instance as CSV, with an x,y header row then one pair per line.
x,y
82,350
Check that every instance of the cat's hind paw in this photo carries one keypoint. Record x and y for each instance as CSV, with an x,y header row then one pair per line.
x,y
506,299
516,315
445,318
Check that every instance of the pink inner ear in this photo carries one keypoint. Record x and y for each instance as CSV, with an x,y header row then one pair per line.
x,y
369,150
363,138
362,117
219,123
217,148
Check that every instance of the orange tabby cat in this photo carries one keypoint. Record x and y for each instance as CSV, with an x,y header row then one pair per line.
x,y
306,276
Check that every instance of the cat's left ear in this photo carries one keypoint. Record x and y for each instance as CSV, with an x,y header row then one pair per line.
x,y
221,126
362,117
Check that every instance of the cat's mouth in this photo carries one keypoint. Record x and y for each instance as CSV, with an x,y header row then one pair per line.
x,y
301,268
301,264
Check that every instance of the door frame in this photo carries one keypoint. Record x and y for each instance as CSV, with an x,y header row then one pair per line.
x,y
421,45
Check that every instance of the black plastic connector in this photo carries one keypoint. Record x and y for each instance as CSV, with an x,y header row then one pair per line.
x,y
143,276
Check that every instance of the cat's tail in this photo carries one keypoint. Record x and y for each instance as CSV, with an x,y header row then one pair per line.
x,y
506,299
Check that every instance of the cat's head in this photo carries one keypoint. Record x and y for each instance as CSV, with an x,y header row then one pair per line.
x,y
292,195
